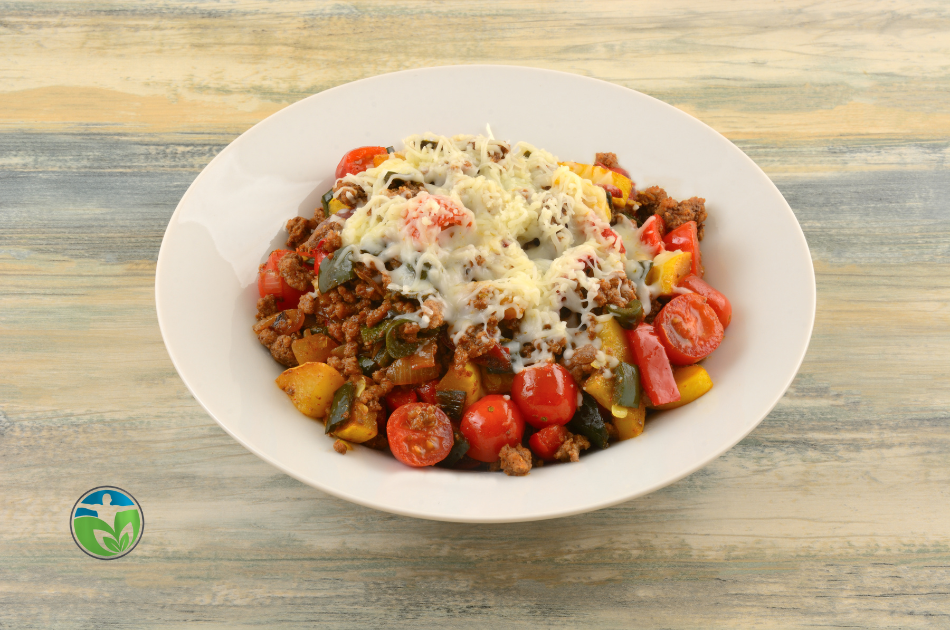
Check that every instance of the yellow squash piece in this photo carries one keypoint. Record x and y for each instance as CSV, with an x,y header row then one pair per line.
x,y
613,341
692,381
313,348
668,269
311,387
469,380
360,427
601,175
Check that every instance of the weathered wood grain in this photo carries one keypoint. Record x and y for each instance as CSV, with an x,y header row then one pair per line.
x,y
834,512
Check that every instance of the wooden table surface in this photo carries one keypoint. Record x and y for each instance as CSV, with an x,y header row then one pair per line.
x,y
835,511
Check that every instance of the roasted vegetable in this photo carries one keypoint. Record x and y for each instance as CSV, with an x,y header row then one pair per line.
x,y
692,381
469,380
495,361
341,407
630,423
588,422
327,196
626,385
360,427
604,177
335,271
311,387
459,449
629,316
451,401
313,348
613,341
497,383
668,269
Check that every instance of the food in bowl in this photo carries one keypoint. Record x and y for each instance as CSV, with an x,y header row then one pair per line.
x,y
474,304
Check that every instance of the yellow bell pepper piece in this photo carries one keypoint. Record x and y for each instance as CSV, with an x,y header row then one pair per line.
x,y
311,387
628,420
668,269
613,341
693,381
630,424
469,380
336,205
601,175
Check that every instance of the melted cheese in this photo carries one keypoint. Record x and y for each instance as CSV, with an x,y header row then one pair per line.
x,y
517,235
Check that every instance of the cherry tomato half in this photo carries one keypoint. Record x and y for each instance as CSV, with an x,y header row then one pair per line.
x,y
716,300
688,328
545,394
545,442
357,160
656,375
270,282
419,434
490,424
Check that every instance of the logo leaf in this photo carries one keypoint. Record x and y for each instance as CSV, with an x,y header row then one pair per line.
x,y
106,540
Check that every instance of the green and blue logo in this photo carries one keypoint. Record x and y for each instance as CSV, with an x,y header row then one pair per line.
x,y
107,522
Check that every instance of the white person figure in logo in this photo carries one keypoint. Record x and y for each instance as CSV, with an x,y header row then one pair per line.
x,y
107,511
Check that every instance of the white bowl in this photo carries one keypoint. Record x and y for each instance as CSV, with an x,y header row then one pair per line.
x,y
233,215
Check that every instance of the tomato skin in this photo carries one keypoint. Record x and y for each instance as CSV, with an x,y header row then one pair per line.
x,y
716,300
427,391
357,160
656,374
270,282
545,394
419,434
685,238
545,442
399,397
490,424
688,328
651,234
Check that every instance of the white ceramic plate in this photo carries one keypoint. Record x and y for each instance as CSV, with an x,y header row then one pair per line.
x,y
233,215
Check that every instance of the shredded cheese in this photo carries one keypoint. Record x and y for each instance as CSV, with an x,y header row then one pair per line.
x,y
498,233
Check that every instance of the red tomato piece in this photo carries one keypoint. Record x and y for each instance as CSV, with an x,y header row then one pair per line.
x,y
688,328
545,442
716,300
545,394
358,160
686,239
270,282
651,234
419,434
489,424
399,397
656,375
427,215
317,253
610,235
427,391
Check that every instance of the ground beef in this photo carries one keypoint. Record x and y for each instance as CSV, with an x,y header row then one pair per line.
x,y
298,231
473,344
607,160
515,461
350,194
570,449
675,214
658,303
281,351
294,272
378,314
266,306
616,290
579,365
307,304
324,230
407,190
433,308
340,447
